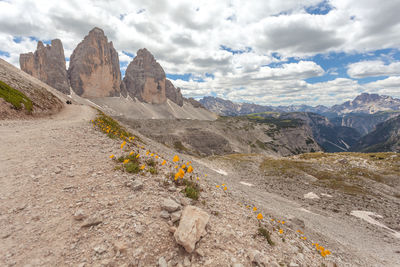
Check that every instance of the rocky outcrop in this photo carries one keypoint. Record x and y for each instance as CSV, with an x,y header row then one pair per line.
x,y
48,65
192,227
194,102
172,93
94,67
145,80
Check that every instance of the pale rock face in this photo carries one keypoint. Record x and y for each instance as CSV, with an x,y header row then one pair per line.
x,y
94,67
192,227
145,79
48,65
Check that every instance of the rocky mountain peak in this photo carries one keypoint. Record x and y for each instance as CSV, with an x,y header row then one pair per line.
x,y
47,64
94,67
145,80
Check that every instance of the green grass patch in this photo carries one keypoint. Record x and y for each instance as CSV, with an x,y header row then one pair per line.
x,y
179,146
152,170
151,162
266,234
132,167
15,97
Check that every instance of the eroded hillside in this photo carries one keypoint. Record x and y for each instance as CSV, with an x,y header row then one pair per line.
x,y
230,135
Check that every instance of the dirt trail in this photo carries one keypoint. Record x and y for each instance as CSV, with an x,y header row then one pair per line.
x,y
40,161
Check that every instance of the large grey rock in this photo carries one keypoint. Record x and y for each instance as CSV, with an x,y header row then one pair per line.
x,y
170,205
48,65
192,227
162,262
94,67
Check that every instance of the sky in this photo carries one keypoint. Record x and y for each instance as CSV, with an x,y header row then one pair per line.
x,y
270,52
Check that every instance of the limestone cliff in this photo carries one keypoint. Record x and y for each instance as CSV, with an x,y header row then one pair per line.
x,y
47,64
145,80
94,67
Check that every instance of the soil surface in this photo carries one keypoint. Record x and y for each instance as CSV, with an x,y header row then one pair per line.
x,y
55,170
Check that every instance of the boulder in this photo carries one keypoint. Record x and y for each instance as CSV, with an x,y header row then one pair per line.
x,y
47,64
192,227
170,205
94,67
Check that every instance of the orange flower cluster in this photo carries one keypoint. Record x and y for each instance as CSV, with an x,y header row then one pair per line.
x,y
323,251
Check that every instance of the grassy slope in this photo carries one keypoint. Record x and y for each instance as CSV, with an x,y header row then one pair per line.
x,y
15,97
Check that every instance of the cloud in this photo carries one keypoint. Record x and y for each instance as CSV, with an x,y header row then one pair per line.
x,y
373,68
187,36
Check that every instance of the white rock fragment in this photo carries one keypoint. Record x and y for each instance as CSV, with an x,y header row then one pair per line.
x,y
311,195
192,227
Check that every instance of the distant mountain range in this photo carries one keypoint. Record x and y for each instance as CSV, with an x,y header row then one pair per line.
x,y
337,128
363,104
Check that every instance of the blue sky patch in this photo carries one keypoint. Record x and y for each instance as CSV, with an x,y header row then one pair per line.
x,y
184,77
322,8
4,53
233,51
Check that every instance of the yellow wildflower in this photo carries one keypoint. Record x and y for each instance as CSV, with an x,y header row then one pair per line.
x,y
130,154
327,252
205,175
225,188
223,184
280,231
183,166
147,153
152,154
176,167
197,178
142,167
163,163
156,157
138,155
175,159
122,145
112,156
323,254
190,169
260,216
272,220
217,186
254,209
126,161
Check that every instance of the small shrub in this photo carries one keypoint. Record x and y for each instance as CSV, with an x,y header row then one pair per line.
x,y
179,146
192,190
152,170
117,168
151,163
264,232
132,167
